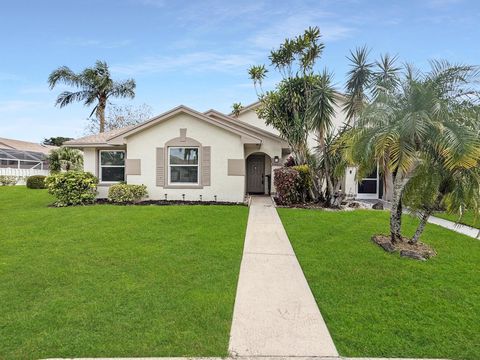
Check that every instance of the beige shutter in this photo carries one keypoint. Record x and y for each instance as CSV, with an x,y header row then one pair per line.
x,y
160,167
206,150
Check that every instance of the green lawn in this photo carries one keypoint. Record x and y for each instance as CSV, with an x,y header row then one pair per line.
x,y
114,281
467,219
380,305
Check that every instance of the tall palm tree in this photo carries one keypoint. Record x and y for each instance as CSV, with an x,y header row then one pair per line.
x,y
419,115
321,114
96,87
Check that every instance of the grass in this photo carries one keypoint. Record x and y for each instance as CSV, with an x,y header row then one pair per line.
x,y
116,281
467,219
380,305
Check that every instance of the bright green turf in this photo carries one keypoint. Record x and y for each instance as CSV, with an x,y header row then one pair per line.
x,y
467,219
116,280
380,305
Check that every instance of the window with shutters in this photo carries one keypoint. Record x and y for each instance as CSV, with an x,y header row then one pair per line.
x,y
183,165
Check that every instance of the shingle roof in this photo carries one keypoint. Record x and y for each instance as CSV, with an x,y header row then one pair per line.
x,y
25,146
100,138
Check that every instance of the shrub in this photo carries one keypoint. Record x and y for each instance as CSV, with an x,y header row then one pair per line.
x,y
36,182
72,187
305,180
124,193
287,183
7,180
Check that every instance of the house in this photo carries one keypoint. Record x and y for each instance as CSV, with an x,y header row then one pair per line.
x,y
186,154
23,158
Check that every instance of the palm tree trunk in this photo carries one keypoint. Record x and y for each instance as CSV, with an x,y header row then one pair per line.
x,y
102,104
330,190
396,211
421,226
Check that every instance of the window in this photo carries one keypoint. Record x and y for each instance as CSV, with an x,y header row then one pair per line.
x,y
112,166
369,184
183,165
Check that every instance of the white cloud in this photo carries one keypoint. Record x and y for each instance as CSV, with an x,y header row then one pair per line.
x,y
154,3
189,62
10,106
103,44
295,25
9,77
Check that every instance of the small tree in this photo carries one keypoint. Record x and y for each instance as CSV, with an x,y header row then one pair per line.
x,y
96,88
120,116
56,141
236,109
302,102
65,159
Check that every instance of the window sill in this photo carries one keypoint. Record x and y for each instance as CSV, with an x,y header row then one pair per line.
x,y
183,186
109,183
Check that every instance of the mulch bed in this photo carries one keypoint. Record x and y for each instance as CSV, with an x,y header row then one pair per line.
x,y
171,202
418,251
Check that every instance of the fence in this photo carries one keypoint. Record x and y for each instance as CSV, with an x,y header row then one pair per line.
x,y
22,174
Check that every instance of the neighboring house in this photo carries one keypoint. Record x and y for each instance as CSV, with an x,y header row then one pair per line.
x,y
186,154
23,158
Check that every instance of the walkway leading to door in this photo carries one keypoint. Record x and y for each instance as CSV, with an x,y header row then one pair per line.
x,y
275,313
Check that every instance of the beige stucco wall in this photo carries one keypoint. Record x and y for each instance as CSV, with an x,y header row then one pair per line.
x,y
89,162
224,145
250,117
351,182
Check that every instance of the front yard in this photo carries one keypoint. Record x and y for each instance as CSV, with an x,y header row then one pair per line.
x,y
116,280
380,305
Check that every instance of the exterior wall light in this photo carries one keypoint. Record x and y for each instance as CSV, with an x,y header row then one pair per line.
x,y
276,159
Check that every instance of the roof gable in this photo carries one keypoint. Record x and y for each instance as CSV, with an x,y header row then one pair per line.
x,y
247,136
235,122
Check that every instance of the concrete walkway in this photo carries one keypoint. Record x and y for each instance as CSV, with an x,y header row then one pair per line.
x,y
450,225
275,313
462,229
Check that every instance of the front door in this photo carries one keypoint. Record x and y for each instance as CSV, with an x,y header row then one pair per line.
x,y
255,174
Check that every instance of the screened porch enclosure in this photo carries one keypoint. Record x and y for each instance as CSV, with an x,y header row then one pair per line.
x,y
19,159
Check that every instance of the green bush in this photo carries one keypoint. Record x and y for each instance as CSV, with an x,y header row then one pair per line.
x,y
124,193
7,180
287,183
305,180
72,187
36,182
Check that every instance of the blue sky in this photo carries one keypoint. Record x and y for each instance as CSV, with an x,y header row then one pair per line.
x,y
196,52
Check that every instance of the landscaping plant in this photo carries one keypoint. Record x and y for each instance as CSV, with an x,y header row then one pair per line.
x,y
72,188
36,182
302,103
126,193
409,121
65,159
7,180
288,182
95,87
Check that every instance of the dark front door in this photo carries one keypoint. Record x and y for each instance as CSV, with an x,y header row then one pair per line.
x,y
255,173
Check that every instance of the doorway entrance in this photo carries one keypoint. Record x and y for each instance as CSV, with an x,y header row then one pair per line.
x,y
256,174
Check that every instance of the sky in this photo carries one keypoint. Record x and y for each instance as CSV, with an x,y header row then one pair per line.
x,y
197,53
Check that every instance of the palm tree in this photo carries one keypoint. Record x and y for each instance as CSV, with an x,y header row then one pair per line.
x,y
236,109
321,114
435,187
96,87
65,159
419,115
